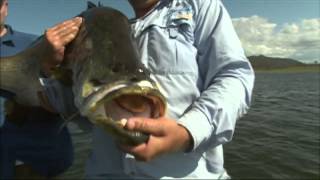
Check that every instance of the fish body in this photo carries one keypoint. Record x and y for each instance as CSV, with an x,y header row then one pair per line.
x,y
20,75
102,65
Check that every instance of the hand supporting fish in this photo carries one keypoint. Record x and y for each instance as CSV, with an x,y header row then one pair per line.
x,y
59,36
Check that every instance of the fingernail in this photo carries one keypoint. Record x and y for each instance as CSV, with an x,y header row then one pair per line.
x,y
79,19
123,122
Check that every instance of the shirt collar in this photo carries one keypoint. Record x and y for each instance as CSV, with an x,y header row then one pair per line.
x,y
7,38
158,5
9,29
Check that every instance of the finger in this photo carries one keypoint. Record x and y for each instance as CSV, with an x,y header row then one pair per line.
x,y
145,151
71,22
140,152
133,149
67,34
68,37
146,125
75,22
78,21
68,27
63,33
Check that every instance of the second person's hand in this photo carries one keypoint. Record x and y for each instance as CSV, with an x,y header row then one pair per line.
x,y
56,38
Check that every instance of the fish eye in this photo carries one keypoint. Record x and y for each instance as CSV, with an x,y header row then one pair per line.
x,y
95,82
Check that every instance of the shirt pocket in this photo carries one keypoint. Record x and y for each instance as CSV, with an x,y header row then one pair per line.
x,y
170,45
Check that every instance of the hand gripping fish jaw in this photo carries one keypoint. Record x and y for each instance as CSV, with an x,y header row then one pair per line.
x,y
111,105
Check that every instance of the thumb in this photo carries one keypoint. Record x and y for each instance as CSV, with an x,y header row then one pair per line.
x,y
146,125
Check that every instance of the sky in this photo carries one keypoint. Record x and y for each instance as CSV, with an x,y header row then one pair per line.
x,y
275,28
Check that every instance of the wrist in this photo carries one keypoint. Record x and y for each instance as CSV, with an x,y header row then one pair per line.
x,y
187,144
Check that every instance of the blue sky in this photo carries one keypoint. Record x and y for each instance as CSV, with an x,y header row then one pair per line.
x,y
279,11
34,16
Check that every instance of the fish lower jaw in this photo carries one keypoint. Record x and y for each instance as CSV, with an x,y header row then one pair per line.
x,y
110,108
114,123
111,92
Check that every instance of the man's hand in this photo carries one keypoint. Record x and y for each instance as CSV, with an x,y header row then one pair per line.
x,y
56,38
166,136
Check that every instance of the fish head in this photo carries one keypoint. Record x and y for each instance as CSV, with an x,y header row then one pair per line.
x,y
107,69
106,48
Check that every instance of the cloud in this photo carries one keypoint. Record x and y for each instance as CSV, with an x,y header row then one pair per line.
x,y
298,40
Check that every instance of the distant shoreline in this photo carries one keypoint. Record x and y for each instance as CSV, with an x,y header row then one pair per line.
x,y
292,69
263,63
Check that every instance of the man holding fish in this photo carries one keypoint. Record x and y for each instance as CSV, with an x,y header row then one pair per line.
x,y
194,54
29,142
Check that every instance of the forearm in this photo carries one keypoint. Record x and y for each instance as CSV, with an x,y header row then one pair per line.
x,y
225,79
211,121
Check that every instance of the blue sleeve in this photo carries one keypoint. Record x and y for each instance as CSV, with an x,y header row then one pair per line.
x,y
227,78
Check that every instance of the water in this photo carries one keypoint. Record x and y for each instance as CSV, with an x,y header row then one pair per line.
x,y
279,138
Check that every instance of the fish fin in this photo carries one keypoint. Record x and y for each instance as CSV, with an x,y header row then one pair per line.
x,y
91,5
63,75
100,4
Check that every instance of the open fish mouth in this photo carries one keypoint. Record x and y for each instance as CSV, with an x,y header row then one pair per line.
x,y
111,105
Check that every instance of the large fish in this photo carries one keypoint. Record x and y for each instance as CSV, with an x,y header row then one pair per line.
x,y
102,65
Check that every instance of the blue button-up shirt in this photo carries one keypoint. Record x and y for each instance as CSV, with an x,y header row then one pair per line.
x,y
193,52
14,42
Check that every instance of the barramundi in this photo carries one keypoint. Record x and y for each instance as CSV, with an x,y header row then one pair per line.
x,y
103,69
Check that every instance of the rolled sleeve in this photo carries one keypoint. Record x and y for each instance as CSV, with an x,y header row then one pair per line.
x,y
195,121
211,121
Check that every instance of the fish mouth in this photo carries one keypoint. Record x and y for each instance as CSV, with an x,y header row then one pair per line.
x,y
138,99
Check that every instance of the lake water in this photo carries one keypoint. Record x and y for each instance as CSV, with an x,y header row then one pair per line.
x,y
279,138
